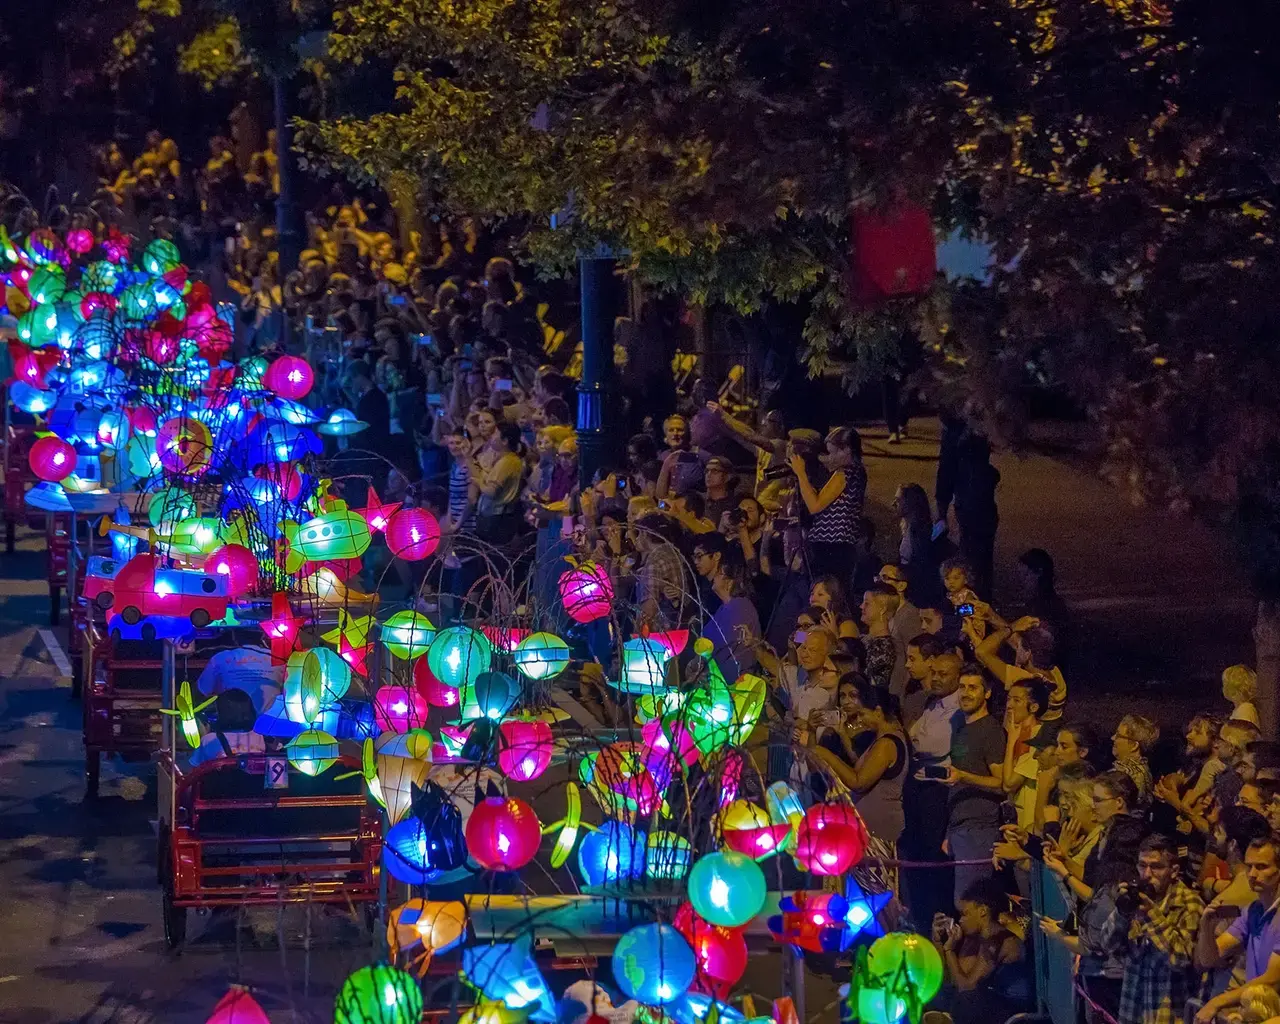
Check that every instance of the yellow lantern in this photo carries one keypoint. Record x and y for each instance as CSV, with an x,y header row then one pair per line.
x,y
397,776
436,925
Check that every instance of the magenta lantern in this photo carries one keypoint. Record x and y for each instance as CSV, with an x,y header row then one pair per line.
x,y
432,690
831,839
413,534
525,750
238,1007
289,377
52,459
238,564
587,592
79,240
398,709
503,833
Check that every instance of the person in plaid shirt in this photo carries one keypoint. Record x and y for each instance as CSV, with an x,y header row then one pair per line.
x,y
1158,975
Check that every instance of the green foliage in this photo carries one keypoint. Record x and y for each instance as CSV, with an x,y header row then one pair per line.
x,y
215,55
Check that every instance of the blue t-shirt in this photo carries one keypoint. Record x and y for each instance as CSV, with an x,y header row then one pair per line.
x,y
1259,929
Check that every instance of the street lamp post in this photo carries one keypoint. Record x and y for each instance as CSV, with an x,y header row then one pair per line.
x,y
596,282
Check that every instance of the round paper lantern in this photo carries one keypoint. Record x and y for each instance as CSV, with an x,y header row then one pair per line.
x,y
413,534
433,691
727,888
721,953
910,952
746,828
398,709
185,445
587,592
491,696
613,853
325,673
668,856
289,377
312,752
52,459
525,750
876,1006
407,851
47,285
159,256
653,964
830,840
503,833
237,564
408,634
378,994
237,1006
458,655
541,656
438,925
30,399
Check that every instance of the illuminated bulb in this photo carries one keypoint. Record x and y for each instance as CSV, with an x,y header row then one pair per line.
x,y
720,893
504,844
389,995
163,589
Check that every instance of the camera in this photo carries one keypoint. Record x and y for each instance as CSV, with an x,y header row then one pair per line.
x,y
1127,899
778,472
736,517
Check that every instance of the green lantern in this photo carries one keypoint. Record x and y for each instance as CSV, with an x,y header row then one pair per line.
x,y
249,373
195,535
908,953
138,302
334,535
44,325
100,276
541,656
312,752
727,888
458,655
325,672
160,256
170,505
644,664
408,634
876,1006
303,695
667,856
378,994
48,284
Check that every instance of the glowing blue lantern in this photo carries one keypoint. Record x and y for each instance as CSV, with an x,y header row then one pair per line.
x,y
491,696
614,853
862,916
407,852
30,399
506,972
653,964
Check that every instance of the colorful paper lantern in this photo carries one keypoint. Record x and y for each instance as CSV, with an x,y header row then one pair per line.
x,y
503,833
290,377
378,994
399,709
326,674
413,534
830,840
160,256
613,853
52,459
491,696
458,655
184,445
668,856
653,964
643,667
541,656
237,1007
727,888
862,915
408,850
746,828
433,691
437,925
587,592
910,954
721,953
505,972
397,777
525,749
876,1006
312,752
338,534
408,634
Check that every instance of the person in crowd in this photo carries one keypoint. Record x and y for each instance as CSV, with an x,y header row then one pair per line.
x,y
1114,799
682,466
1240,687
498,515
835,504
1162,938
1032,647
710,551
919,552
1130,744
1021,768
1038,598
876,775
879,605
965,475
720,495
769,442
975,777
734,628
828,593
660,578
979,953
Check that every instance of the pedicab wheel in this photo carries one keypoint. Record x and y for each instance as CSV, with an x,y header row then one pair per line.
x,y
55,605
92,773
175,921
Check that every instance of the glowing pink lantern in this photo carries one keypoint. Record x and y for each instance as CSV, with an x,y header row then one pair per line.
x,y
587,592
161,348
80,240
52,459
97,300
433,691
398,709
289,377
831,839
503,833
286,476
238,1007
525,750
142,420
504,640
238,564
413,534
674,640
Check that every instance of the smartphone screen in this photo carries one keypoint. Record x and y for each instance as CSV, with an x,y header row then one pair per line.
x,y
501,385
964,609
934,771
434,398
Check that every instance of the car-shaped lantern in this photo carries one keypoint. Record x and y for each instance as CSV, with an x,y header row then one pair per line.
x,y
144,588
100,580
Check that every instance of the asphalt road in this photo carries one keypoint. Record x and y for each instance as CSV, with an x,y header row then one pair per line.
x,y
1160,607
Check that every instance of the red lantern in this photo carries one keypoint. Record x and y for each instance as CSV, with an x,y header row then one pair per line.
x,y
398,709
289,377
433,691
238,1007
97,300
587,592
894,253
526,750
721,952
831,839
238,564
161,347
503,833
52,459
413,534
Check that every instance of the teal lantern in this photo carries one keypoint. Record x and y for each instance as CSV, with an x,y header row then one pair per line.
x,y
169,506
876,1006
408,634
458,655
491,696
160,256
48,284
727,888
100,276
312,752
644,664
378,994
138,302
541,656
325,672
907,956
668,856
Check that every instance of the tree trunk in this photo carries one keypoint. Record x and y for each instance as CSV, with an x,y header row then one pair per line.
x,y
1266,640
